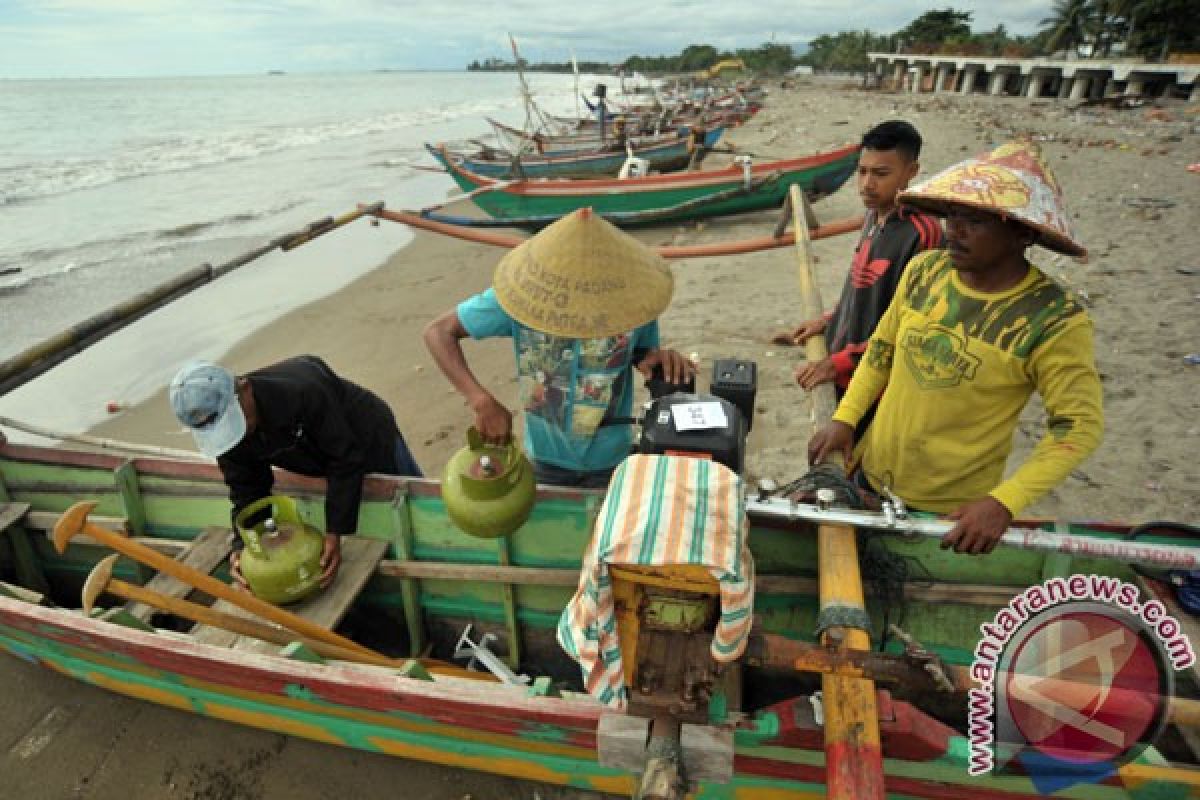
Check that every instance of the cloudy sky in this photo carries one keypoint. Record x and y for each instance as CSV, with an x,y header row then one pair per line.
x,y
86,38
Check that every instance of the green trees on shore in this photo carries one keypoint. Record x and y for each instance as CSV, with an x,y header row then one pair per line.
x,y
1148,29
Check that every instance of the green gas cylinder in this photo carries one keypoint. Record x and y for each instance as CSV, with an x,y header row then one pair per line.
x,y
282,559
488,490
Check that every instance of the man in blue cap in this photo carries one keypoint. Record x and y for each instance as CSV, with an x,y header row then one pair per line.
x,y
297,415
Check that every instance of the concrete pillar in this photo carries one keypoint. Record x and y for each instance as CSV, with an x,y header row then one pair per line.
x,y
1079,87
967,82
997,85
1134,85
943,77
1064,88
1033,85
898,74
918,79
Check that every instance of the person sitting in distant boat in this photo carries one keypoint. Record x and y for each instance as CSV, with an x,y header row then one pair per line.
x,y
580,300
298,415
973,330
892,235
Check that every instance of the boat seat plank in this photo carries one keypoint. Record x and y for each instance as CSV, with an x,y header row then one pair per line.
x,y
360,558
205,553
11,513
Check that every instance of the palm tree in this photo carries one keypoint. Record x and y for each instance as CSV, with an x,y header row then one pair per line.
x,y
1070,24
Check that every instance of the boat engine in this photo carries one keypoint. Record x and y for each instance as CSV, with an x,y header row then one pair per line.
x,y
680,422
667,613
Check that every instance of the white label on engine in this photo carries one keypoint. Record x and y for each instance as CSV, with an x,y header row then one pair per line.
x,y
699,416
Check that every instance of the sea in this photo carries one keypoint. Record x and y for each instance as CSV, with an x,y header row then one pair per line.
x,y
109,187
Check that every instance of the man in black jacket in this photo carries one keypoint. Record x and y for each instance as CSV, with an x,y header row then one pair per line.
x,y
297,415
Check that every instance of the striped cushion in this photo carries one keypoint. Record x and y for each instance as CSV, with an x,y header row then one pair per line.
x,y
660,510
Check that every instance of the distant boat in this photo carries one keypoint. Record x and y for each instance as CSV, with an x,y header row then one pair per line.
x,y
658,198
276,72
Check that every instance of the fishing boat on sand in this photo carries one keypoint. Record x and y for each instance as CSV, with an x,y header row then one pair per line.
x,y
667,153
413,584
658,198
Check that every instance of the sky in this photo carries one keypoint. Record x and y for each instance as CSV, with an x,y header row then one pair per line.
x,y
101,38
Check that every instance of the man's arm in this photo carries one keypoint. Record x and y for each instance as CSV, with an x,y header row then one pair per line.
x,y
248,480
1064,373
443,337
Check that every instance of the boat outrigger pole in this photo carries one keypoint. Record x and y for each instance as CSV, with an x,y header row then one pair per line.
x,y
25,366
853,751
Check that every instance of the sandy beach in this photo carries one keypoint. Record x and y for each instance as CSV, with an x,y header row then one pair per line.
x,y
1126,184
1125,181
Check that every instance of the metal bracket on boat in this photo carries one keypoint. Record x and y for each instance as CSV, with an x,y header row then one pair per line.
x,y
478,652
842,617
818,706
893,507
1149,554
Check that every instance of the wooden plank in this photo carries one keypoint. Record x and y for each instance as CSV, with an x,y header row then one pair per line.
x,y
126,478
360,558
205,553
21,593
513,657
410,596
28,568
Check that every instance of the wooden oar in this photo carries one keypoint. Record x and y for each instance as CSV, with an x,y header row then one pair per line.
x,y
101,581
853,753
74,520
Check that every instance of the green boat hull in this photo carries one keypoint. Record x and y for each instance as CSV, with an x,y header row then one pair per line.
x,y
515,587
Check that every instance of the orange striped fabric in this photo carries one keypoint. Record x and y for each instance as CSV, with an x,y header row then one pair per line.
x,y
660,510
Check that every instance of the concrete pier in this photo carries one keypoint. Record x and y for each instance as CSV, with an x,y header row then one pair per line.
x,y
1074,79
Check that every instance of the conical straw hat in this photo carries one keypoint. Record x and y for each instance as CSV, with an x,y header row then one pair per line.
x,y
1013,180
583,278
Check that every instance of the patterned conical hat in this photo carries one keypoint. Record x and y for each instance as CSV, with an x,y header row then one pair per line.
x,y
582,277
1013,180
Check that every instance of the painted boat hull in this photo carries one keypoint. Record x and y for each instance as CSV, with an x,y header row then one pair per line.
x,y
819,175
663,156
491,727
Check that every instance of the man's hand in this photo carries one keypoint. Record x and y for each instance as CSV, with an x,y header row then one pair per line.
x,y
836,437
676,368
802,334
812,374
492,420
331,558
235,570
981,523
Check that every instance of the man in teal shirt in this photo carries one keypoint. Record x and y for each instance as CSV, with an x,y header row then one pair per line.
x,y
580,302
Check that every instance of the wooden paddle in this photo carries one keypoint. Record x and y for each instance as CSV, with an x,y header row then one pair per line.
x,y
101,581
75,520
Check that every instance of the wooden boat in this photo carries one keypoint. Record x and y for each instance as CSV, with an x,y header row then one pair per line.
x,y
664,154
765,184
438,580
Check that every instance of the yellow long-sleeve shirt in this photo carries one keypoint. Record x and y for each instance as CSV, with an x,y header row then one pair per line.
x,y
958,367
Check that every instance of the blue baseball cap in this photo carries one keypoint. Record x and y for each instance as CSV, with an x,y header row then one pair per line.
x,y
204,398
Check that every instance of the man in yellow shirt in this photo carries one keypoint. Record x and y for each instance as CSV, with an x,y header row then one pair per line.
x,y
972,331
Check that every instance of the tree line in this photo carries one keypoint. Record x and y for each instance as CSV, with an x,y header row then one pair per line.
x,y
1148,29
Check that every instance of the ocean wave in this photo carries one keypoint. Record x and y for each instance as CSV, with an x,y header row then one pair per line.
x,y
28,181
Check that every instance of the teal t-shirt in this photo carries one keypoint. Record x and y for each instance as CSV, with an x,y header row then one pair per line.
x,y
568,386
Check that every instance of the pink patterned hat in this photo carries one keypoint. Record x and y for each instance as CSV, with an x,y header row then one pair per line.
x,y
1014,181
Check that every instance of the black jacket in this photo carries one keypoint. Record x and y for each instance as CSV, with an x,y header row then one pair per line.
x,y
312,422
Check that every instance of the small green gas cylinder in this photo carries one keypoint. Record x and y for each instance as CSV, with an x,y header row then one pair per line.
x,y
282,559
488,490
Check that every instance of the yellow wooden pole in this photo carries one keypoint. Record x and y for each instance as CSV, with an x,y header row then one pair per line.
x,y
853,757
